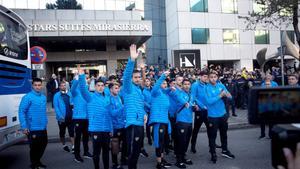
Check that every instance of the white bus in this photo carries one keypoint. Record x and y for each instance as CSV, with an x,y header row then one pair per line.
x,y
15,74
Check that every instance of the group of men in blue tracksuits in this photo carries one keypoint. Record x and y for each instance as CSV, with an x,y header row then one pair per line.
x,y
115,117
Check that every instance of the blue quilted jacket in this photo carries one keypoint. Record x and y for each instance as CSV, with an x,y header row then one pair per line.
x,y
80,105
32,111
186,114
159,103
198,89
147,96
98,105
133,98
59,106
117,109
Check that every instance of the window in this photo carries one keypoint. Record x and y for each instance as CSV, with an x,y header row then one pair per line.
x,y
290,34
120,5
99,5
13,41
110,5
200,35
229,6
262,37
88,5
231,36
198,5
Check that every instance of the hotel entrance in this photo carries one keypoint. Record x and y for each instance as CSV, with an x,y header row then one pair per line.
x,y
68,70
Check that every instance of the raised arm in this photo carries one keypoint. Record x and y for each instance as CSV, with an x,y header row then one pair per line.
x,y
142,66
156,87
127,82
74,87
83,89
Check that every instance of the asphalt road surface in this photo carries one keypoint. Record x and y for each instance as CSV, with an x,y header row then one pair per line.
x,y
250,153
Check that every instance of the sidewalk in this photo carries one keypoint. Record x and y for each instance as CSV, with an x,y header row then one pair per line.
x,y
241,121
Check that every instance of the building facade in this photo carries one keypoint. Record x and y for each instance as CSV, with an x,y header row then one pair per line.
x,y
155,10
98,40
214,28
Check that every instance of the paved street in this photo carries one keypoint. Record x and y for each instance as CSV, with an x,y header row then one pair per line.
x,y
240,121
250,152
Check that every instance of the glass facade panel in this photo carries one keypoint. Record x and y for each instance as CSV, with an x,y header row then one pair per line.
x,y
88,4
110,5
200,35
199,5
231,36
229,6
120,5
99,5
262,37
290,34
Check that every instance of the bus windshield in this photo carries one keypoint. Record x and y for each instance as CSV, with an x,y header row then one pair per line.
x,y
13,38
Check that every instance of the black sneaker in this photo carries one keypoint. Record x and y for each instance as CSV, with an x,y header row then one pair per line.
x,y
33,166
115,166
150,142
123,162
187,161
193,149
78,159
234,115
87,155
160,166
170,147
180,165
165,163
214,158
144,153
66,148
228,154
41,165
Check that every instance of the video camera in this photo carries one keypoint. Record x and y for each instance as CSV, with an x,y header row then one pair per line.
x,y
280,106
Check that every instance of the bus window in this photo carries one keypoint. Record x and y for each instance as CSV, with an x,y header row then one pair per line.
x,y
13,38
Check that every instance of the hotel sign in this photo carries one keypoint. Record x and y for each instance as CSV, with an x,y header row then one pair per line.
x,y
87,27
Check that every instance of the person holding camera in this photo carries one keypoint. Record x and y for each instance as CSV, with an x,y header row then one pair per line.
x,y
293,161
217,116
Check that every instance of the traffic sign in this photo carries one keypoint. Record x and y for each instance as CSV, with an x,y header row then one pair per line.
x,y
38,55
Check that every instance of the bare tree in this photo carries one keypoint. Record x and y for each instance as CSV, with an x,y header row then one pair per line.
x,y
64,4
274,13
